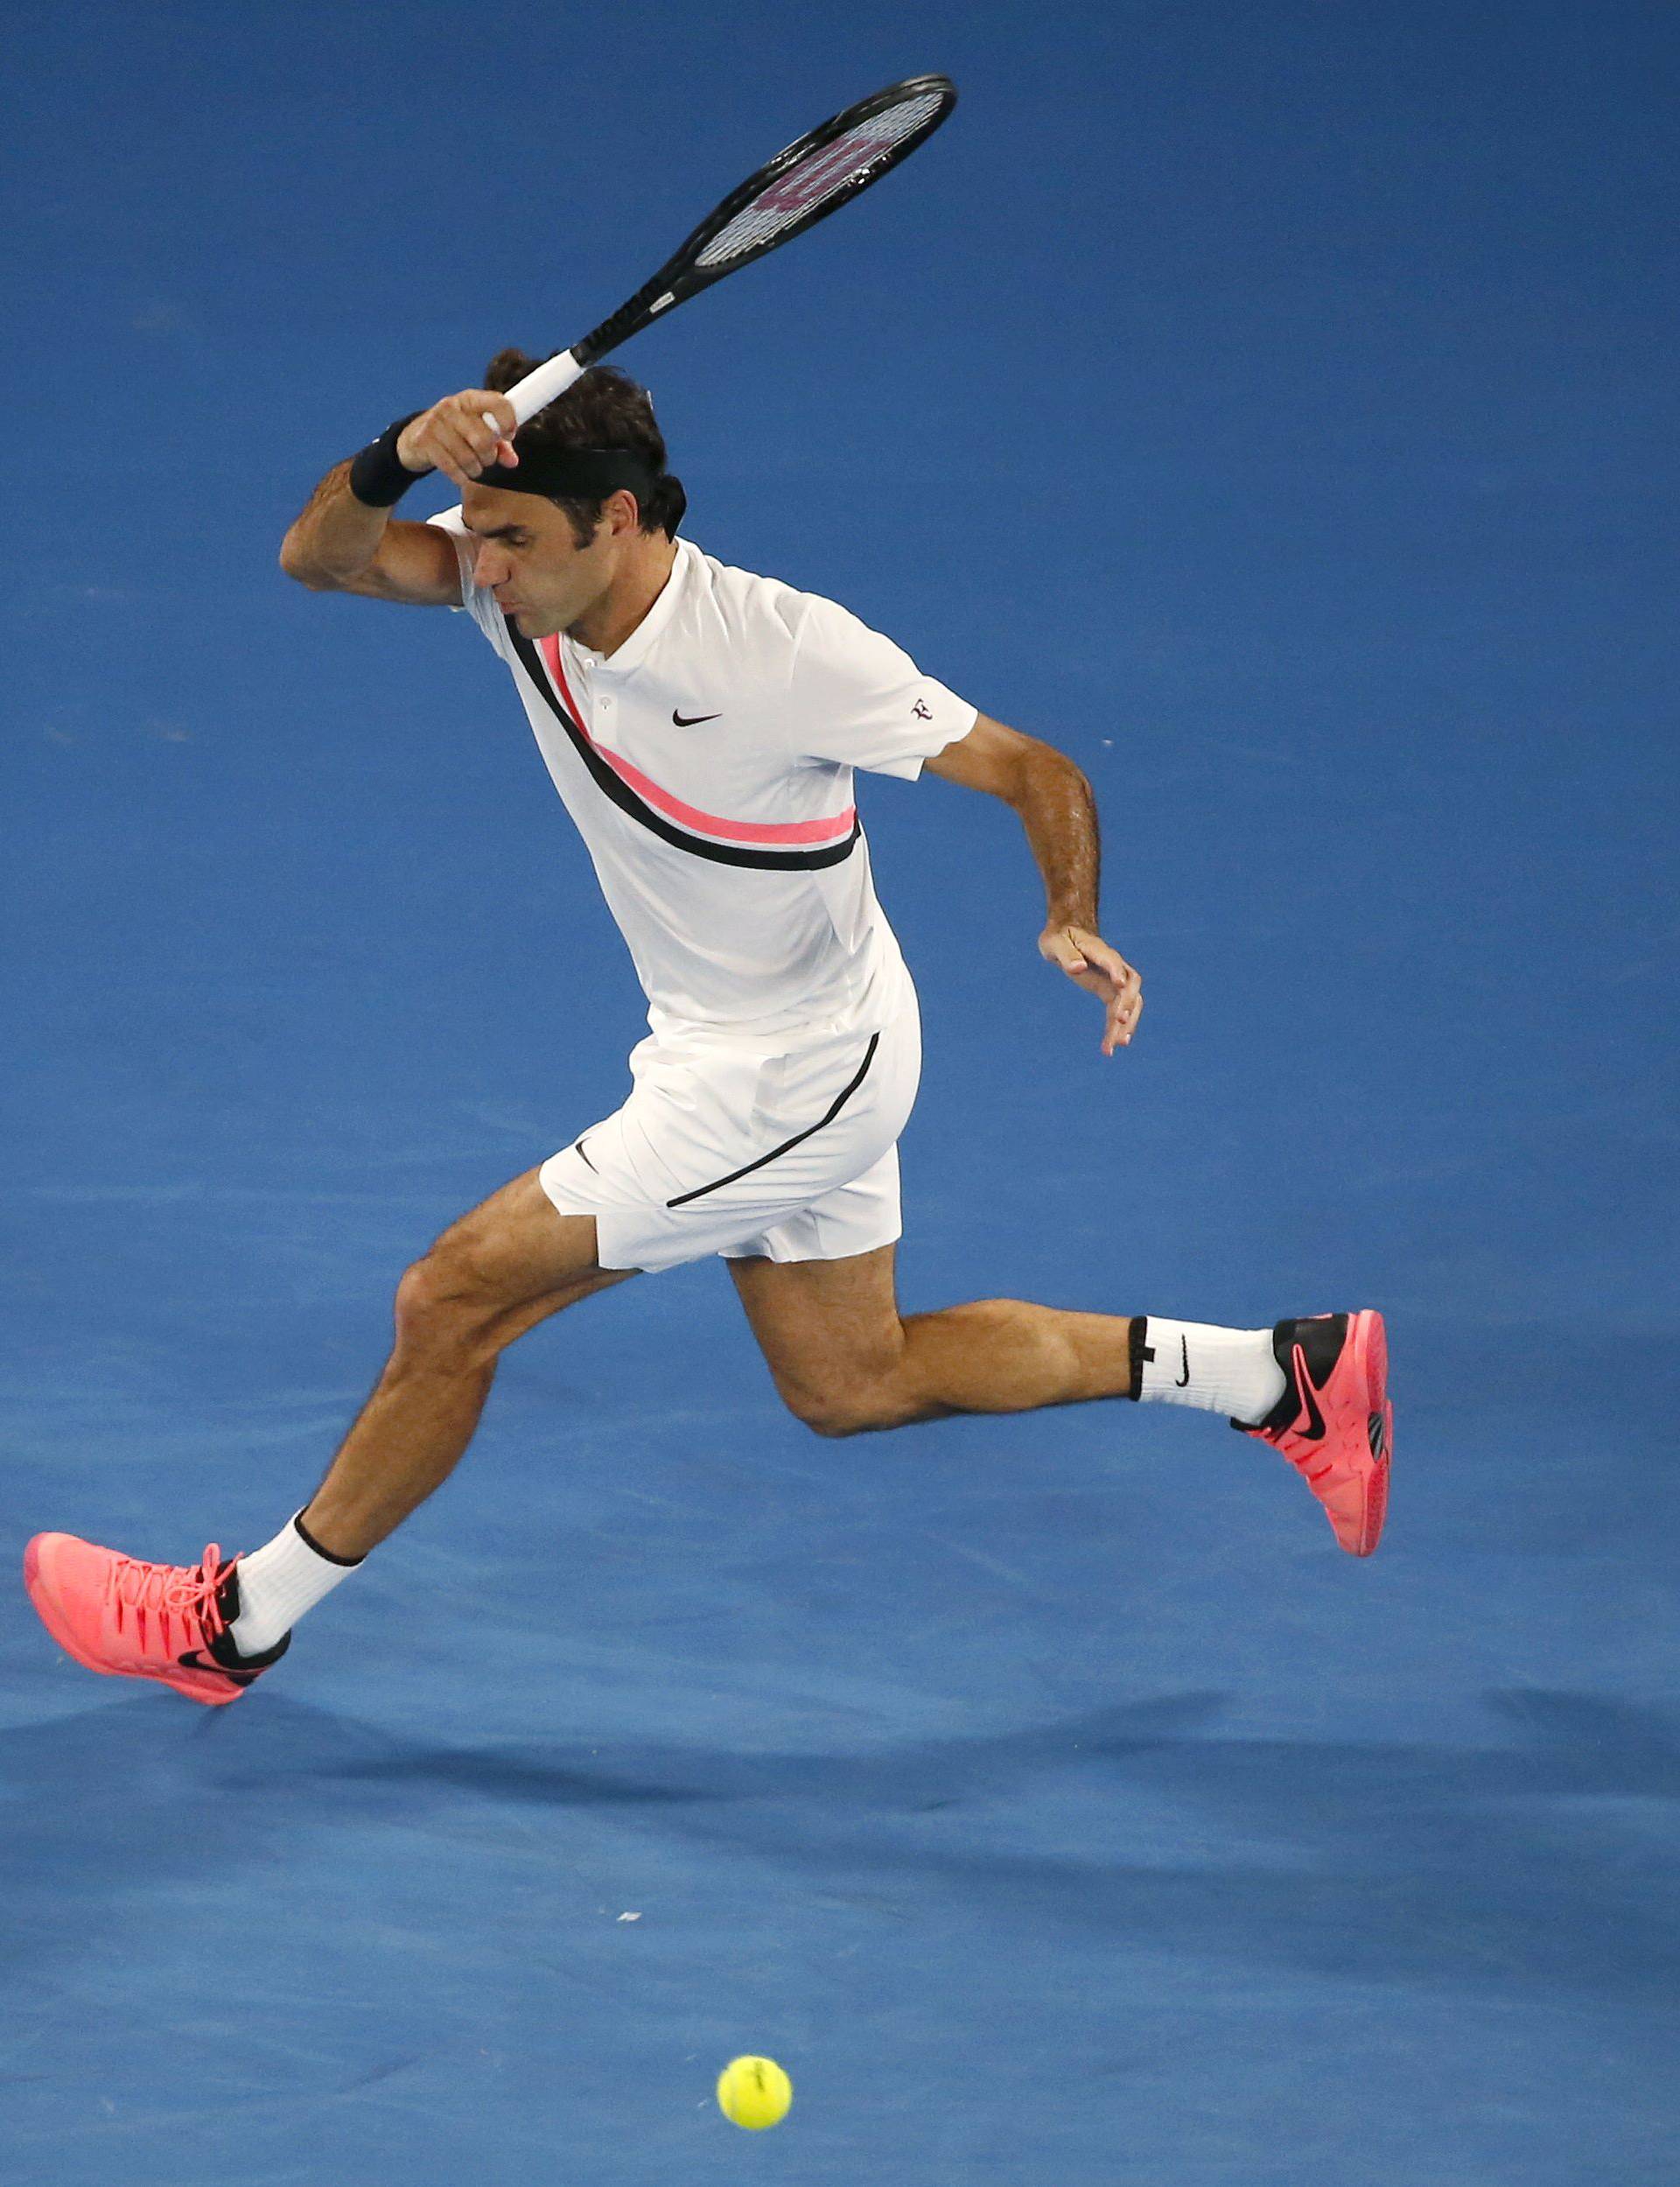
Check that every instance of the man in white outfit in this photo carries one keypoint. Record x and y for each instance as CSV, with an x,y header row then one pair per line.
x,y
702,727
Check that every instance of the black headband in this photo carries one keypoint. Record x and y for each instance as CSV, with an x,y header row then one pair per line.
x,y
584,474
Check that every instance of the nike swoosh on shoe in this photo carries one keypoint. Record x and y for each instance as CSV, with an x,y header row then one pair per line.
x,y
195,1660
1311,1426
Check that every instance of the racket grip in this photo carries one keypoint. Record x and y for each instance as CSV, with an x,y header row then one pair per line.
x,y
527,395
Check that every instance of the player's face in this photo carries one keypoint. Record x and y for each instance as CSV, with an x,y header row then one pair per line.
x,y
529,559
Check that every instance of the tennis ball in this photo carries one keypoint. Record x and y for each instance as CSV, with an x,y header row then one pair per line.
x,y
754,2092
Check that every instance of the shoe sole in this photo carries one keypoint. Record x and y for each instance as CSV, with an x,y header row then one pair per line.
x,y
1368,1344
47,1608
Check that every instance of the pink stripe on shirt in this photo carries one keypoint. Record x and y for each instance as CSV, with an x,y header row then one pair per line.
x,y
830,831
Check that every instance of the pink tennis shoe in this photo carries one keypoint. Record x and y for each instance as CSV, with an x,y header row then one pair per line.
x,y
1334,1423
145,1621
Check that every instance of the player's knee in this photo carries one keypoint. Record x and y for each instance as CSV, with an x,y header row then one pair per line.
x,y
442,1304
849,1409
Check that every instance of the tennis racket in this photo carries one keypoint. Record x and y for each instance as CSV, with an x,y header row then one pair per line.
x,y
827,168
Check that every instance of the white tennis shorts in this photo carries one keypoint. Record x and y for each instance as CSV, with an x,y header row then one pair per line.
x,y
724,1148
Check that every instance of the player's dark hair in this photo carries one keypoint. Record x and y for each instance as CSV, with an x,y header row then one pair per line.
x,y
604,409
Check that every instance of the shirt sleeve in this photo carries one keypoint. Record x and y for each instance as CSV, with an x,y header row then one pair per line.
x,y
478,602
858,700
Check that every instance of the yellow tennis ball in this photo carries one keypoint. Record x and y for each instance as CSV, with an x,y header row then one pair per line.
x,y
753,2093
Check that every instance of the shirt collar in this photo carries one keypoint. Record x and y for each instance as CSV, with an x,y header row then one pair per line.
x,y
636,647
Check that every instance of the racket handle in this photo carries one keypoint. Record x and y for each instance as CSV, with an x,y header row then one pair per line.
x,y
527,395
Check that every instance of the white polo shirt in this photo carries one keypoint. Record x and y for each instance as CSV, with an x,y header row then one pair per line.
x,y
708,765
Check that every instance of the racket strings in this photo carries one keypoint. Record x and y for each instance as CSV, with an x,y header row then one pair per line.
x,y
842,164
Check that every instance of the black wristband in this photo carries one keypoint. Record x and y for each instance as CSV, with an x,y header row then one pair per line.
x,y
378,478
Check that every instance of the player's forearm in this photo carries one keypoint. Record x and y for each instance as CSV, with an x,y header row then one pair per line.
x,y
1058,813
336,537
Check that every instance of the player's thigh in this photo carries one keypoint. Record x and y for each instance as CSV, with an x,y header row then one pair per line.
x,y
515,1257
827,1328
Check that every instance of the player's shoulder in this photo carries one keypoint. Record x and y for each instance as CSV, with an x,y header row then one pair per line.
x,y
766,615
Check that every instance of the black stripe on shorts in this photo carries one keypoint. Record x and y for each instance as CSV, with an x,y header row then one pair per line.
x,y
746,1169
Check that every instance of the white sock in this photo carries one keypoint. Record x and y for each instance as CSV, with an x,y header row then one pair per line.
x,y
277,1583
1229,1371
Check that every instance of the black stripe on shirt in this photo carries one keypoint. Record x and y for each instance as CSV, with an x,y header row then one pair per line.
x,y
746,1169
624,798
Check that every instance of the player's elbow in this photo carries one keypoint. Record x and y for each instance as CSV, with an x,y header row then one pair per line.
x,y
295,561
304,566
1041,772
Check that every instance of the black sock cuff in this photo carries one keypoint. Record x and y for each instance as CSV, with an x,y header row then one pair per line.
x,y
1137,1350
310,1542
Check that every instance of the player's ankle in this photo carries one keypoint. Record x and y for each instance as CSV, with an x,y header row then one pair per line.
x,y
327,1540
279,1582
1228,1371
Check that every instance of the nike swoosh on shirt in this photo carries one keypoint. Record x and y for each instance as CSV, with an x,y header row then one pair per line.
x,y
688,721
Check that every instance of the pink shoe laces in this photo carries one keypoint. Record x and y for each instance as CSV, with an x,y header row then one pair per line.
x,y
162,1594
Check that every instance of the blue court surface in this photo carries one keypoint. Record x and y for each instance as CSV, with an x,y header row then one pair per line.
x,y
1271,405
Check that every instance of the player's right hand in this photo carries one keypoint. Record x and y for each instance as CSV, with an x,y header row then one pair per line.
x,y
452,436
1090,964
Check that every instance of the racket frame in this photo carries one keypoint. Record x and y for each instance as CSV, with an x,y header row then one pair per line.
x,y
682,276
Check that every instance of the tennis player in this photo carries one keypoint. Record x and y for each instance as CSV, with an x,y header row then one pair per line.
x,y
704,727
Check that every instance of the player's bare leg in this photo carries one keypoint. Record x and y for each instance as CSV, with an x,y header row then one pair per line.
x,y
209,1631
845,1360
497,1272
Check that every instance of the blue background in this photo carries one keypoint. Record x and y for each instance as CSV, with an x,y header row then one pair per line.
x,y
1271,405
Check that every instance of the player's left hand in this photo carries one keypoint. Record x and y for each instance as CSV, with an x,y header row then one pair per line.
x,y
1088,961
